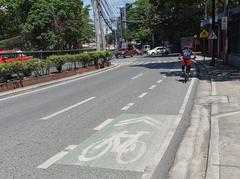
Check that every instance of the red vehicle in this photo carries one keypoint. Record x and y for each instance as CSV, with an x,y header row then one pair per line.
x,y
124,52
7,56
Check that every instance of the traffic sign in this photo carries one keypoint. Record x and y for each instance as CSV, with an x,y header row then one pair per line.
x,y
224,23
212,36
204,34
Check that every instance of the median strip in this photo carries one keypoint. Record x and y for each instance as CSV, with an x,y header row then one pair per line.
x,y
67,109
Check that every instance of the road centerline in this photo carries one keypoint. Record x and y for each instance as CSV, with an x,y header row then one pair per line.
x,y
152,87
142,95
137,76
67,109
125,108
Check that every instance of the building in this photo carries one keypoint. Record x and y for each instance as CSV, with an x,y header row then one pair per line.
x,y
233,36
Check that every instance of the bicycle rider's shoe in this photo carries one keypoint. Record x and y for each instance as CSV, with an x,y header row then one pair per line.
x,y
182,74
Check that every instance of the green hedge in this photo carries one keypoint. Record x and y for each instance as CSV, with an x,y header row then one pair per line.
x,y
41,67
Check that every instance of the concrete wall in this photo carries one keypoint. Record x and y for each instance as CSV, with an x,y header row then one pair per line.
x,y
234,60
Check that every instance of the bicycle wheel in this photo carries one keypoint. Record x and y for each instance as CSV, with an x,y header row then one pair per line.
x,y
131,153
185,74
95,150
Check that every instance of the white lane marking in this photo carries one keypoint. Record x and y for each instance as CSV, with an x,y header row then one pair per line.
x,y
59,84
104,124
152,87
137,76
142,95
228,114
71,147
67,109
158,156
159,81
56,157
125,108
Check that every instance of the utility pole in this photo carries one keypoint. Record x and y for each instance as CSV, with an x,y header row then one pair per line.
x,y
225,57
97,23
205,9
103,42
213,29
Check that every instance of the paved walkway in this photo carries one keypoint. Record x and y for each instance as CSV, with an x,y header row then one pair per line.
x,y
224,148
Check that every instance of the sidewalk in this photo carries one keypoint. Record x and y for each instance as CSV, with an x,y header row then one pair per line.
x,y
210,148
224,147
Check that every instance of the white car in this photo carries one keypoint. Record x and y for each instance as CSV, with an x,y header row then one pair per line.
x,y
158,50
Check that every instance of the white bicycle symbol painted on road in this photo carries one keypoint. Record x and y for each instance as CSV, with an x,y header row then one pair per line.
x,y
127,152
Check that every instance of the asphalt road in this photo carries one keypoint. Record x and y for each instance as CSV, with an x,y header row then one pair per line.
x,y
110,125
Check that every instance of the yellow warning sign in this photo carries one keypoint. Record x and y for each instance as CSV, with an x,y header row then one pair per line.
x,y
204,34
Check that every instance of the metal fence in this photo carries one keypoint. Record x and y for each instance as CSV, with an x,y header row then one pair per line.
x,y
45,54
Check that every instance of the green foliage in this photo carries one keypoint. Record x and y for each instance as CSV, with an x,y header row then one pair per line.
x,y
138,12
39,66
46,24
174,19
15,42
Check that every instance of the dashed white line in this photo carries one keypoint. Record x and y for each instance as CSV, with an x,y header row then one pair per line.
x,y
135,77
142,95
104,124
152,87
169,136
159,81
56,157
67,109
125,108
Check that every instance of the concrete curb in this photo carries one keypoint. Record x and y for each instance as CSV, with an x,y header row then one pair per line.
x,y
212,170
45,84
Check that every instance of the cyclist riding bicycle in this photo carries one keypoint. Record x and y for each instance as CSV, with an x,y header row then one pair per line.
x,y
185,59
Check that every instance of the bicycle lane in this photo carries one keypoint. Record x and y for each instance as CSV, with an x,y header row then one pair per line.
x,y
128,140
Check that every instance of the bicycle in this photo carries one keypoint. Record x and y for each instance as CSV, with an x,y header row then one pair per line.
x,y
127,152
187,68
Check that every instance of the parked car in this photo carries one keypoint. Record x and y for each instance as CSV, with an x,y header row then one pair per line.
x,y
158,51
124,52
7,56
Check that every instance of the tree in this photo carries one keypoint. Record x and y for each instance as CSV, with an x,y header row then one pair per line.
x,y
137,26
57,24
174,19
46,24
